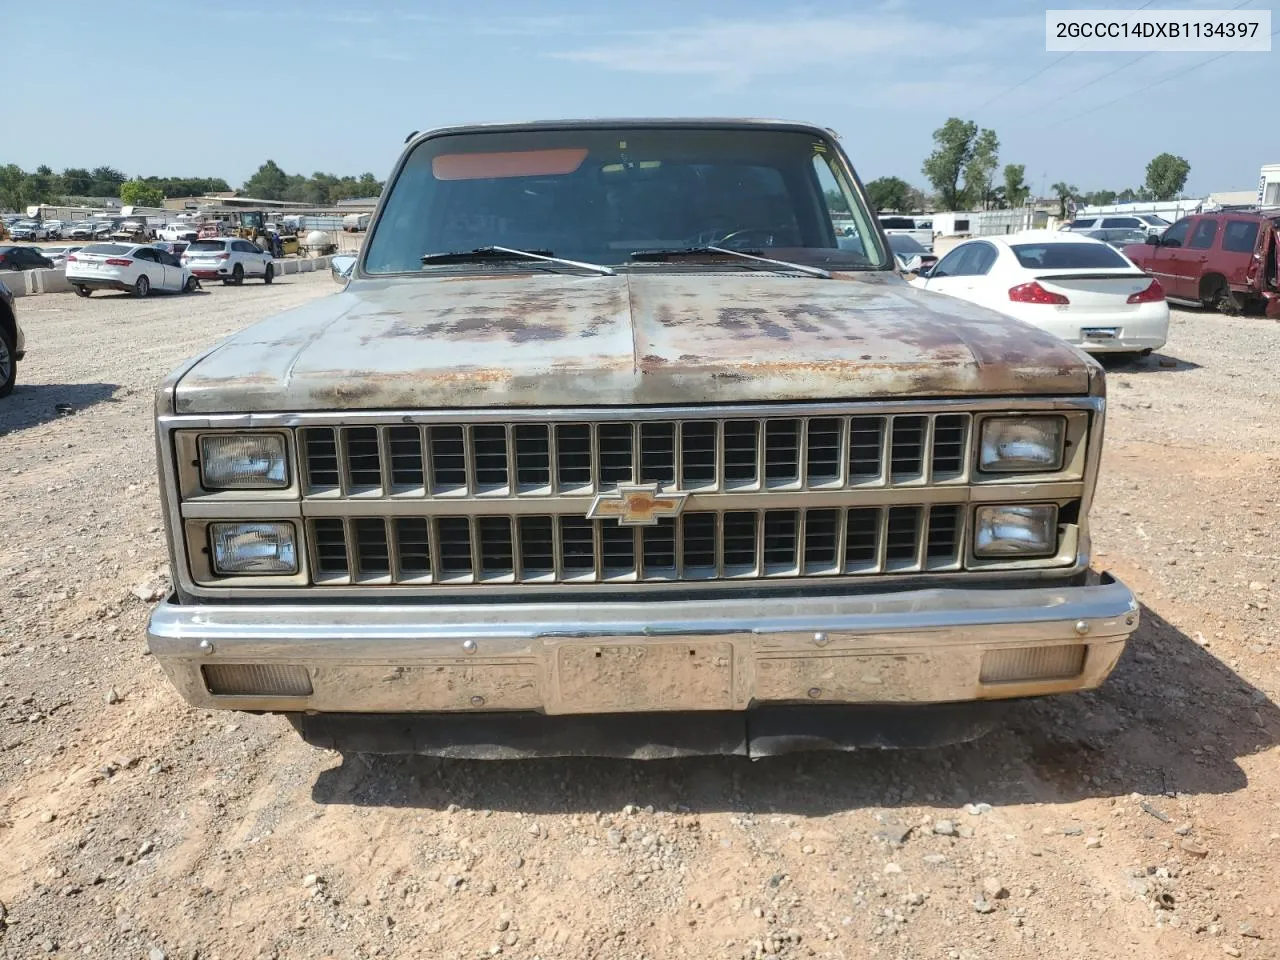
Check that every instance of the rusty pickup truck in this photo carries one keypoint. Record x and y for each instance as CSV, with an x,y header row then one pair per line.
x,y
612,444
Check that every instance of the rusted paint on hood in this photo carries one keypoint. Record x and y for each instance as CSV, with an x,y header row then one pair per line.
x,y
640,338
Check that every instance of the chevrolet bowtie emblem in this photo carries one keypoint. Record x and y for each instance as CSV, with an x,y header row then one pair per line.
x,y
637,505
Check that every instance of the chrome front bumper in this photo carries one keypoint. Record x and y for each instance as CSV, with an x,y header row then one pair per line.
x,y
922,646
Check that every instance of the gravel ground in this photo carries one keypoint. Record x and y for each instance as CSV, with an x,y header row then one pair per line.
x,y
1139,821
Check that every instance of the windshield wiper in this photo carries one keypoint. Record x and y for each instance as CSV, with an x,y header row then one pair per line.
x,y
644,255
481,254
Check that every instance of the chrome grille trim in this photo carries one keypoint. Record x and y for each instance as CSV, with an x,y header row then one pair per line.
x,y
782,544
737,454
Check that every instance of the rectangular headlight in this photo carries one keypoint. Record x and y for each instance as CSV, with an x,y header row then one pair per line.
x,y
1021,444
1016,531
252,548
243,461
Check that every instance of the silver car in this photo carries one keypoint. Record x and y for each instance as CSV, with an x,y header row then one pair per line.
x,y
12,343
60,253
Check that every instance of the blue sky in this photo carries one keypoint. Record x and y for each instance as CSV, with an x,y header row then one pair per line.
x,y
321,85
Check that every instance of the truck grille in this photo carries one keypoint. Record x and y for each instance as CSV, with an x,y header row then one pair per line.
x,y
548,459
699,545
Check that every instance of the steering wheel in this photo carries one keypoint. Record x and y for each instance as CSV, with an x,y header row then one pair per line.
x,y
746,237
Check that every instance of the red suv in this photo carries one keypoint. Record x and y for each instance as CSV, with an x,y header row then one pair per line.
x,y
1226,260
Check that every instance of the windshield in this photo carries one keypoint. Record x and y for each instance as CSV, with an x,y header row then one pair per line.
x,y
1051,256
601,195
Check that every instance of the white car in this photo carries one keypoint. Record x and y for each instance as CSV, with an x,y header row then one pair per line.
x,y
1075,287
54,229
175,232
1150,223
59,254
228,259
135,267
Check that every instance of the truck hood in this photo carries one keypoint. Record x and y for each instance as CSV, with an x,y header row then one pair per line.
x,y
649,338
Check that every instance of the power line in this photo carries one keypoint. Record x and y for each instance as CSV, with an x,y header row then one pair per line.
x,y
1048,66
1111,73
1172,76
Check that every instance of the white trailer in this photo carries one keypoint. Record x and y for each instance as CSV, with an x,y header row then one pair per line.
x,y
952,223
1269,185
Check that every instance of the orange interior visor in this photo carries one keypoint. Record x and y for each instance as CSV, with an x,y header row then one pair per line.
x,y
522,163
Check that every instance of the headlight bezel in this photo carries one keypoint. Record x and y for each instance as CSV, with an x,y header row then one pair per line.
x,y
1060,425
1050,524
190,468
220,529
207,458
198,535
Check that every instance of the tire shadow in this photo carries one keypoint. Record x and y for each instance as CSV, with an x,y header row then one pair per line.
x,y
1172,719
33,404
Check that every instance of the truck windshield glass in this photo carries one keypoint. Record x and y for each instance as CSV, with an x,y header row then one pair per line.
x,y
601,195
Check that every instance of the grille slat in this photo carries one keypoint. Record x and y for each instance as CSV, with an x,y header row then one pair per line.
x,y
320,450
489,458
363,458
866,448
950,434
404,445
907,448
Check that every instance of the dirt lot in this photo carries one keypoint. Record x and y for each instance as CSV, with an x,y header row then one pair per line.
x,y
1141,821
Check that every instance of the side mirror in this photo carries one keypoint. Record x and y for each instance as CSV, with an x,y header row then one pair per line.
x,y
340,268
1153,239
925,272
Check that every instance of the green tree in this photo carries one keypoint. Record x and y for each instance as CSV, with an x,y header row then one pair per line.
x,y
1100,197
106,182
12,180
835,201
137,193
38,187
1167,175
981,167
953,149
890,193
268,183
1016,190
1065,193
76,181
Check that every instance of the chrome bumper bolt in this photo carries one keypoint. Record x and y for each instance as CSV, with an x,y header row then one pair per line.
x,y
821,639
469,645
1082,627
206,647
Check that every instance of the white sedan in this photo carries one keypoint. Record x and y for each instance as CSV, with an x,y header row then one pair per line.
x,y
134,267
1075,287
